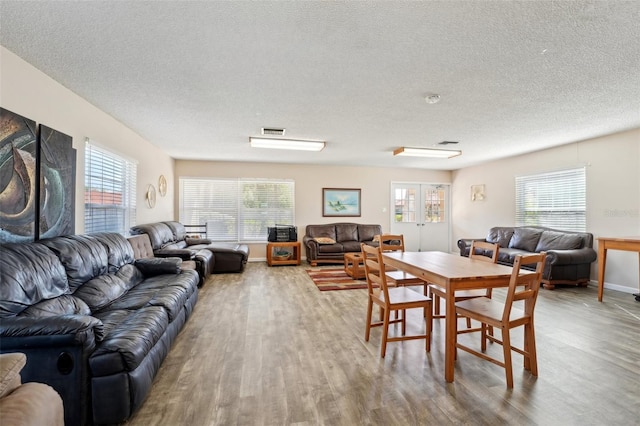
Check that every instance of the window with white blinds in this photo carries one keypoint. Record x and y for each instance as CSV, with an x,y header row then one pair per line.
x,y
555,200
238,210
110,191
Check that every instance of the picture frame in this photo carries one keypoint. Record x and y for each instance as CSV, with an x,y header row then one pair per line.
x,y
341,202
477,193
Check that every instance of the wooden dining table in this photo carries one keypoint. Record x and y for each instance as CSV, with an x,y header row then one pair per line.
x,y
452,272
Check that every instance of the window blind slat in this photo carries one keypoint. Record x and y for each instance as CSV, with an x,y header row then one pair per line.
x,y
110,191
236,209
555,200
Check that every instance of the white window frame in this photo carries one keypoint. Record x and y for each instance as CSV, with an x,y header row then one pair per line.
x,y
109,173
219,204
555,199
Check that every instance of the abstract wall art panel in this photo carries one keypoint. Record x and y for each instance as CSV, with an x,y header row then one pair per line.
x,y
57,162
18,177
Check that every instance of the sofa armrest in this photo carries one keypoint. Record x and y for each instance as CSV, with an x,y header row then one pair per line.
x,y
78,329
151,267
311,247
184,254
571,257
464,244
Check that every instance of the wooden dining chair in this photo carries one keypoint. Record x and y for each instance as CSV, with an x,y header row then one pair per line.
x,y
523,288
436,292
395,242
388,298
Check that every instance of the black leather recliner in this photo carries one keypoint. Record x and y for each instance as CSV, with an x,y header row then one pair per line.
x,y
170,237
94,324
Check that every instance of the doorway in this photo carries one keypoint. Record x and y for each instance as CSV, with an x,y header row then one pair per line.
x,y
421,212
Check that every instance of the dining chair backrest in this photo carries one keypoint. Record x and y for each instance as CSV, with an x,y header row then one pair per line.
x,y
374,269
390,242
524,286
494,248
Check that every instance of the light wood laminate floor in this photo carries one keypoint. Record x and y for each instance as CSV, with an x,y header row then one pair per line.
x,y
265,347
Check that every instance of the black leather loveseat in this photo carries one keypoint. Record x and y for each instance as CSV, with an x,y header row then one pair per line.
x,y
94,324
569,254
170,239
329,242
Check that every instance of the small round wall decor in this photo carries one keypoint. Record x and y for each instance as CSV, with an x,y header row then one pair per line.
x,y
151,196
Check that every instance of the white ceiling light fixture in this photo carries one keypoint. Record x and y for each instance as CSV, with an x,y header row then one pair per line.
x,y
427,152
294,144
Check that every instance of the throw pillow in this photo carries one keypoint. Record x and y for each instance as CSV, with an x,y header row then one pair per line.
x,y
324,240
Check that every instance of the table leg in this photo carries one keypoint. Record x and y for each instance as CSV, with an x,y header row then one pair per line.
x,y
451,334
602,262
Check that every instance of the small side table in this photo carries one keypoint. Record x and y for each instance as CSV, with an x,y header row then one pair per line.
x,y
292,246
354,265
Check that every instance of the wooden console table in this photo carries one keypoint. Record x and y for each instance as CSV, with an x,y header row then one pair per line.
x,y
292,247
618,243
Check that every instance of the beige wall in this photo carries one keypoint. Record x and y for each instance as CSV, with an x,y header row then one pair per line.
x,y
32,94
309,180
613,195
613,177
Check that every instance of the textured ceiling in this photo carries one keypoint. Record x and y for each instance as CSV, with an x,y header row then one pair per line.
x,y
198,78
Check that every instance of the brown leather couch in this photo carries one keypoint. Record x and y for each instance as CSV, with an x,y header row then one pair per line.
x,y
329,242
569,254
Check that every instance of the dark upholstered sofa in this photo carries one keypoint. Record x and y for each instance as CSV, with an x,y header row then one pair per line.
x,y
569,254
94,323
170,239
329,242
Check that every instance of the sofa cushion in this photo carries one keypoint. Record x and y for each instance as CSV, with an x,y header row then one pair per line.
x,y
83,257
327,231
129,337
551,240
101,291
351,246
346,232
29,273
10,366
500,235
525,239
159,233
178,229
62,305
119,251
330,248
367,232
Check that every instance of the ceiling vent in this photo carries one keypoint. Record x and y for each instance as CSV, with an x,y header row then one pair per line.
x,y
448,143
272,131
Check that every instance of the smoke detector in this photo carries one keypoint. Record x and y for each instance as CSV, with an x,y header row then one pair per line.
x,y
272,131
448,143
432,99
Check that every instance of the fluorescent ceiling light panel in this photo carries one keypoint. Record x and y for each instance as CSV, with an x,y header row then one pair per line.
x,y
274,143
427,152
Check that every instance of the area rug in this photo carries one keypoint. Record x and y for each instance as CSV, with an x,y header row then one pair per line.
x,y
334,279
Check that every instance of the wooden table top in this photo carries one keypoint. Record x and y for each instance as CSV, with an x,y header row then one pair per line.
x,y
451,266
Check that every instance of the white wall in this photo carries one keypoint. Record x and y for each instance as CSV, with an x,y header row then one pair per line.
x,y
375,184
27,91
613,195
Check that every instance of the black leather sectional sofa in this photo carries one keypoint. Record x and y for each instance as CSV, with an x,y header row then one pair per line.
x,y
94,323
569,254
171,239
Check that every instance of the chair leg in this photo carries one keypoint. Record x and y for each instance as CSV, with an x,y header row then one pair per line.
x,y
468,322
404,322
385,333
506,349
369,314
436,304
483,336
428,327
530,349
